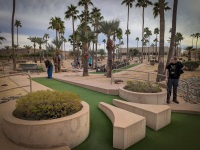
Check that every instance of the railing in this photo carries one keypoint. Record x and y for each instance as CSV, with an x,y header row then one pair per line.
x,y
17,86
148,78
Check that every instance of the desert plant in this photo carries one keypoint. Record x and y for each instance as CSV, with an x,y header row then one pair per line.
x,y
142,87
43,105
191,65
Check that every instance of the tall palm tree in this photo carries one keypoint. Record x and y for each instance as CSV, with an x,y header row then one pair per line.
x,y
137,39
193,36
148,35
156,32
85,34
108,28
161,47
143,4
57,54
129,4
127,32
12,29
40,41
119,37
178,38
28,48
173,31
156,8
1,39
46,37
17,24
156,12
104,41
72,12
96,17
34,40
197,35
56,24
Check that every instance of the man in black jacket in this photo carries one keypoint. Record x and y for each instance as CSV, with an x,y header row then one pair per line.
x,y
49,67
173,72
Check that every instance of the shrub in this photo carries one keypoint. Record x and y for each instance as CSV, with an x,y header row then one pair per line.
x,y
43,105
142,86
191,65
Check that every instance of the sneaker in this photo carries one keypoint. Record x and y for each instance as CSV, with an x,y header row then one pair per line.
x,y
175,101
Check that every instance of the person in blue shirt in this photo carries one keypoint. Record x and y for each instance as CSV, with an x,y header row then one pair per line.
x,y
90,62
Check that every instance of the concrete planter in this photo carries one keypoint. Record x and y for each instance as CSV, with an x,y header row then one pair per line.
x,y
144,98
66,131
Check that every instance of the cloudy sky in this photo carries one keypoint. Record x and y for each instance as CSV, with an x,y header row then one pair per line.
x,y
35,15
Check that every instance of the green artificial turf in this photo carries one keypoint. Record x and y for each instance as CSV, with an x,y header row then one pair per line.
x,y
182,134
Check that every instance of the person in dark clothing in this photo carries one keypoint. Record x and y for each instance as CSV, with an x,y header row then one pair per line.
x,y
49,67
173,72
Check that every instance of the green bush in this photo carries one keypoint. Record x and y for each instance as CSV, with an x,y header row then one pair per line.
x,y
191,65
43,105
142,86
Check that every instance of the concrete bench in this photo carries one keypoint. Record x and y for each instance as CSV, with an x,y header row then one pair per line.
x,y
128,128
28,67
157,116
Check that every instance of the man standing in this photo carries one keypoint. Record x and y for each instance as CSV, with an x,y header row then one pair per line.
x,y
173,71
49,67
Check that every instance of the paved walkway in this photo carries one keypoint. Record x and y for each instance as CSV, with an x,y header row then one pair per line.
x,y
94,82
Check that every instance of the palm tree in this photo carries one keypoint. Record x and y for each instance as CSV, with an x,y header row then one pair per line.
x,y
96,18
40,41
28,48
156,8
179,37
156,32
143,4
34,40
1,39
193,36
56,24
137,39
17,24
119,37
46,37
104,41
127,32
148,33
197,35
173,31
12,29
85,34
108,28
129,4
57,54
189,48
161,47
72,12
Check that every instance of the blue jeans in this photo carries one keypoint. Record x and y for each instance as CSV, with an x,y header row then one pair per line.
x,y
172,83
49,72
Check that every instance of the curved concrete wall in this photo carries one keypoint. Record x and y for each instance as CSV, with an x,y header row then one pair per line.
x,y
66,131
144,98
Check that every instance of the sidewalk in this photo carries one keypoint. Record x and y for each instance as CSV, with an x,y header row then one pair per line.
x,y
94,82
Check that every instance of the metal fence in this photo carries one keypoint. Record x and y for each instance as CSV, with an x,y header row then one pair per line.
x,y
8,75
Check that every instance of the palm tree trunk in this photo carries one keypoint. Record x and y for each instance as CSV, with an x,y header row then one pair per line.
x,y
161,48
195,56
17,36
73,39
85,60
12,28
127,55
142,33
109,61
173,32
